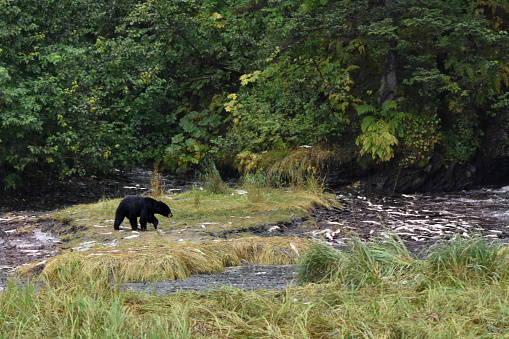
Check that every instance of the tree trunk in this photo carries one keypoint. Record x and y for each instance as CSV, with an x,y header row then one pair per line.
x,y
389,81
389,84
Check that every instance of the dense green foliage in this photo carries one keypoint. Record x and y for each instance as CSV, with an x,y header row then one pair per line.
x,y
89,86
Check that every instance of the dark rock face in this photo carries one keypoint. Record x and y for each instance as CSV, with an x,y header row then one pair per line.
x,y
490,165
437,175
493,158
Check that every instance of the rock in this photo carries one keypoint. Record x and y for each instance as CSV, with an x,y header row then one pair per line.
x,y
437,175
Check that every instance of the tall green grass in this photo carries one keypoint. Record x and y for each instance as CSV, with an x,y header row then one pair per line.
x,y
469,258
377,291
363,264
81,310
466,259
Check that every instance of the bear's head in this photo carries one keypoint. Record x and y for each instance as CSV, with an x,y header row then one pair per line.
x,y
163,209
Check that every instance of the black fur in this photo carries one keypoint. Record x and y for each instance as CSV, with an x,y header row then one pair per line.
x,y
133,206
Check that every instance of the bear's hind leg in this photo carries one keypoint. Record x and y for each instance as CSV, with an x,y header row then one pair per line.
x,y
144,218
134,223
143,221
143,224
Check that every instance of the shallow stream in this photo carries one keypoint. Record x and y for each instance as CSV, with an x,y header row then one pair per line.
x,y
248,277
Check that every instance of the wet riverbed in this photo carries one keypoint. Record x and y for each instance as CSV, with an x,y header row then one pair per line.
x,y
419,219
248,277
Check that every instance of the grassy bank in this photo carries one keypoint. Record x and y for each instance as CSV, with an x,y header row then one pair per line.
x,y
199,215
209,231
158,262
375,290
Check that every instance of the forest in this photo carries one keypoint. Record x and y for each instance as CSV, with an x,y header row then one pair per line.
x,y
88,87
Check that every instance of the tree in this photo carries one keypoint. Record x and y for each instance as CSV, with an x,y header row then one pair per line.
x,y
89,86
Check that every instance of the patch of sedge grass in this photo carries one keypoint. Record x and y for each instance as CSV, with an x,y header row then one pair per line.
x,y
378,309
378,291
170,261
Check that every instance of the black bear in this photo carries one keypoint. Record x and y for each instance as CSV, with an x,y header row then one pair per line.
x,y
133,206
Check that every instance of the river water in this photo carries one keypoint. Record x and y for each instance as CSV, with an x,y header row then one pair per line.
x,y
248,277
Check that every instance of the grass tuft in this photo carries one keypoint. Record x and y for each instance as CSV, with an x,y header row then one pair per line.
x,y
468,258
212,181
171,261
300,166
320,263
364,264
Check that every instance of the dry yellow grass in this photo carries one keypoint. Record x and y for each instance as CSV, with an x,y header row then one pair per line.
x,y
171,261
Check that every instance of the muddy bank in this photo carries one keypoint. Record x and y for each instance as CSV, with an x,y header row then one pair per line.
x,y
25,237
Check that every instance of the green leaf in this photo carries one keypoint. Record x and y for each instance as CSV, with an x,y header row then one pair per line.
x,y
177,138
365,108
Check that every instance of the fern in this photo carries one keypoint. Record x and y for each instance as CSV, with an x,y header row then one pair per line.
x,y
377,139
368,123
363,109
380,131
388,106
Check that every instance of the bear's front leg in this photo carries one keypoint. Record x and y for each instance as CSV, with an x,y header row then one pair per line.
x,y
117,223
153,220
